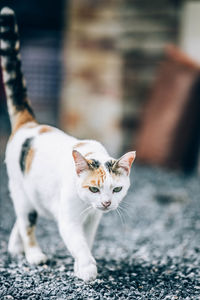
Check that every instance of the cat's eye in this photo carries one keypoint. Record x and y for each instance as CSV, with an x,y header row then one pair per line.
x,y
117,189
94,189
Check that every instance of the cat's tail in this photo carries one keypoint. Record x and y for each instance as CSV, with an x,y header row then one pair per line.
x,y
19,108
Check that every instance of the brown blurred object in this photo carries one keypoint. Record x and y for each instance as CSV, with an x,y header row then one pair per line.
x,y
91,101
170,128
111,51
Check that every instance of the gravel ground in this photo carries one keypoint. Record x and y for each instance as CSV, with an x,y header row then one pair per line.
x,y
151,252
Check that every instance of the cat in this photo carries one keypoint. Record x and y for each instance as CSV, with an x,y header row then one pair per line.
x,y
53,174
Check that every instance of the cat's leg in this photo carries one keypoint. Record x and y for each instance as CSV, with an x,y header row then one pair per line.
x,y
90,226
15,244
73,236
26,222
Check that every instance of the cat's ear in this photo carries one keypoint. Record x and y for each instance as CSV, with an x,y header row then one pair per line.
x,y
125,162
80,162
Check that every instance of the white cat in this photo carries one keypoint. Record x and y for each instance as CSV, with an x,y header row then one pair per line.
x,y
53,174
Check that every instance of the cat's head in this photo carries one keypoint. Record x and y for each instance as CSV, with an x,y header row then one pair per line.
x,y
103,184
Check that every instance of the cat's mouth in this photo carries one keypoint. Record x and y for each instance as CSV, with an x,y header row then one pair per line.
x,y
104,209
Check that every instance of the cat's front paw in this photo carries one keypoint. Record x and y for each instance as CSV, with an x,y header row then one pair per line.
x,y
35,256
87,272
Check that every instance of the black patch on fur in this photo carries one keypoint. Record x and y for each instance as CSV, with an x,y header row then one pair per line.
x,y
8,52
32,217
112,167
7,20
13,64
9,35
109,165
24,152
19,92
95,164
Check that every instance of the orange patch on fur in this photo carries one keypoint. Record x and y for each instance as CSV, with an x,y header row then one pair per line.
x,y
95,178
93,182
22,118
30,125
100,176
89,153
29,159
80,144
31,236
45,129
85,186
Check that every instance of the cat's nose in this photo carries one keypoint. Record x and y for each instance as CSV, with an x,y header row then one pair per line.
x,y
106,204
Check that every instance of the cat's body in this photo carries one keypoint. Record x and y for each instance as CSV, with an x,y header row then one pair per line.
x,y
48,186
55,175
53,165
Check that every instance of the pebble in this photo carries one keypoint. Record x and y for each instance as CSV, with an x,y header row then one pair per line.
x,y
156,255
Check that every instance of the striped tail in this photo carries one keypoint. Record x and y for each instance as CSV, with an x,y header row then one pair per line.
x,y
19,108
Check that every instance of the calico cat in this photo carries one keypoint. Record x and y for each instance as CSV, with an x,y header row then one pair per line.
x,y
53,174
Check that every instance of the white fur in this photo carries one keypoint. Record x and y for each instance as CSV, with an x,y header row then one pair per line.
x,y
53,188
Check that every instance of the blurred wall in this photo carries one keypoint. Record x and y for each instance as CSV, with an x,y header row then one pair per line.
x,y
190,29
91,104
148,26
112,49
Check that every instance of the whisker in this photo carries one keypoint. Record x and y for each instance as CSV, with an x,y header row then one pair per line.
x,y
121,212
122,221
125,207
126,204
125,211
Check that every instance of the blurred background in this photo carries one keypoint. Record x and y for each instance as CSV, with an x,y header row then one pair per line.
x,y
126,73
